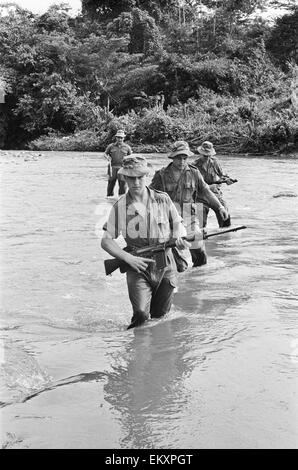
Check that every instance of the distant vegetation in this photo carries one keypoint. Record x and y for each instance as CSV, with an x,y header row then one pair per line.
x,y
162,69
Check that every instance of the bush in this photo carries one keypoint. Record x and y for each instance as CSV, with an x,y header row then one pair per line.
x,y
83,141
157,126
128,122
273,135
234,124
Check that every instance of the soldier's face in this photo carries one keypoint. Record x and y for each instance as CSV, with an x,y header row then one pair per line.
x,y
180,162
136,184
119,140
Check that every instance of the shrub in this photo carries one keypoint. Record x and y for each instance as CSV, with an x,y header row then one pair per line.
x,y
157,126
128,122
82,141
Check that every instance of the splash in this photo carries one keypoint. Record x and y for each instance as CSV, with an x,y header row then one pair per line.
x,y
20,374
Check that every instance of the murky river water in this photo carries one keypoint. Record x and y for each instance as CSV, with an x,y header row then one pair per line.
x,y
220,371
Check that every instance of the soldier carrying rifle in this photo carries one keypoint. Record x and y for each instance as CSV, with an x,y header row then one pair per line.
x,y
213,175
115,152
185,186
145,217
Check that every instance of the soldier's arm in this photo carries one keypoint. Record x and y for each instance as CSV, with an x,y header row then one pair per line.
x,y
107,153
224,177
109,244
129,150
205,195
111,231
218,168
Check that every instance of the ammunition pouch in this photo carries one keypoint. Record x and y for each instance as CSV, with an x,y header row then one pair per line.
x,y
159,257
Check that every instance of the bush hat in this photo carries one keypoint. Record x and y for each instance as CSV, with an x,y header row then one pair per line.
x,y
120,133
206,148
134,166
180,148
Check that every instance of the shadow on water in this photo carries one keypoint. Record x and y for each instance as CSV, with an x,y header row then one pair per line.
x,y
146,386
84,377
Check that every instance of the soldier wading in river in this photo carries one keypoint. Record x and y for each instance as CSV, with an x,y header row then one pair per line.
x,y
145,217
115,153
185,186
213,175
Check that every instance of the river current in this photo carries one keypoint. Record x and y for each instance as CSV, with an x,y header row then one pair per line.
x,y
219,371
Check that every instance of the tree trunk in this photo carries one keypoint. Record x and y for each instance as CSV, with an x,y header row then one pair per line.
x,y
294,89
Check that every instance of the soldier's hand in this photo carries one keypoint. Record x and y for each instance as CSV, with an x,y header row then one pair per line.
x,y
194,231
182,244
229,181
138,263
223,213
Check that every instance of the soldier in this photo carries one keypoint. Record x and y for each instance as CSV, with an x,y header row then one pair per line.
x,y
115,153
213,175
145,217
185,186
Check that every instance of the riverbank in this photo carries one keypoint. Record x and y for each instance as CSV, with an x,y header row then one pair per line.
x,y
29,155
87,141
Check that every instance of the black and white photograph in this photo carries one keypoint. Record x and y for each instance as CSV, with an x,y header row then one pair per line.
x,y
149,227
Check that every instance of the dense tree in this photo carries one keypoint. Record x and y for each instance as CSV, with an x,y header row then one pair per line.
x,y
3,108
106,8
157,67
144,34
113,8
283,40
57,80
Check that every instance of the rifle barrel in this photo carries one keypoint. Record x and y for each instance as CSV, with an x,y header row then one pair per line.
x,y
224,181
219,232
159,247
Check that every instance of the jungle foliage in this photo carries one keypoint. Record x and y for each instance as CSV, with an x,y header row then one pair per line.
x,y
163,69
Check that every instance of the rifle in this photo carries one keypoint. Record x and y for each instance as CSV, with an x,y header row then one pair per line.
x,y
109,171
156,251
220,232
224,181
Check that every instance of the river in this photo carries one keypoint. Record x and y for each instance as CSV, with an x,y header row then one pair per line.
x,y
220,371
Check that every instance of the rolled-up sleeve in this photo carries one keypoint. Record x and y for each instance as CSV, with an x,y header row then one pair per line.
x,y
111,226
